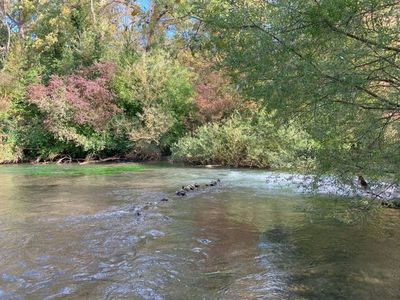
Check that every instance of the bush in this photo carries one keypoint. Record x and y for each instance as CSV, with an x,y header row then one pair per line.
x,y
16,115
149,133
137,110
247,142
77,108
156,95
9,153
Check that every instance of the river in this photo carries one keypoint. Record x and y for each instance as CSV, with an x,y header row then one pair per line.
x,y
104,234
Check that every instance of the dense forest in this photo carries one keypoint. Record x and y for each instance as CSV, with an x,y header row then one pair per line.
x,y
308,85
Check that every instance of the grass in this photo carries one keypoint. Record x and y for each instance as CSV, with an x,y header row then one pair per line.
x,y
70,170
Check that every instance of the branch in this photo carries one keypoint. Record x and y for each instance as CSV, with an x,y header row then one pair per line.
x,y
93,12
353,36
361,39
363,106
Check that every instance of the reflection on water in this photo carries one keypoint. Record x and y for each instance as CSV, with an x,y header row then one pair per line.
x,y
81,236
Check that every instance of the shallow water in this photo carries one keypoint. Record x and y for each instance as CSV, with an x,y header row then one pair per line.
x,y
106,235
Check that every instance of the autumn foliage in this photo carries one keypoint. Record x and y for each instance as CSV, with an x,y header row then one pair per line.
x,y
214,100
83,98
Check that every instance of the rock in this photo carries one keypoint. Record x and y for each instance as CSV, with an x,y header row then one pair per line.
x,y
215,182
197,250
155,233
362,182
191,187
204,241
180,193
164,199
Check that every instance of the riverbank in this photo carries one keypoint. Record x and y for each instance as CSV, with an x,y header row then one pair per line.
x,y
66,159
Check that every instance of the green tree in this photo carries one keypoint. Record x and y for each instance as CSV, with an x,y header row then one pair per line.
x,y
155,86
332,64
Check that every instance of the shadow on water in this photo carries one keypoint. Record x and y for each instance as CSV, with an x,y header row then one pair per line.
x,y
329,257
81,236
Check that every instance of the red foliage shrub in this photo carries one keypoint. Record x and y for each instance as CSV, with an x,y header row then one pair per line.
x,y
83,98
213,99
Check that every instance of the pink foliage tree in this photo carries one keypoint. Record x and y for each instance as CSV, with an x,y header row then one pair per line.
x,y
213,100
83,98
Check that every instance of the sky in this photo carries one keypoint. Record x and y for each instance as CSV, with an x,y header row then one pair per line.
x,y
145,4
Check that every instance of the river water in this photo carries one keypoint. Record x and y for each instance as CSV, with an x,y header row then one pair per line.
x,y
107,236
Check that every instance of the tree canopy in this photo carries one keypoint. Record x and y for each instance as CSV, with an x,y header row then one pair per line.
x,y
332,64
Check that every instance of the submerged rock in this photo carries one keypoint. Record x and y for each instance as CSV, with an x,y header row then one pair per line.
x,y
180,193
155,233
214,182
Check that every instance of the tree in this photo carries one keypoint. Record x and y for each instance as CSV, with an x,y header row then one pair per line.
x,y
5,32
157,89
333,64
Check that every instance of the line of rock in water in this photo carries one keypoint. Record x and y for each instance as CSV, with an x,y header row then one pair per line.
x,y
191,187
182,192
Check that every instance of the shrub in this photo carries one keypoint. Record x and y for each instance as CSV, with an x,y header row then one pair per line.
x,y
154,80
247,142
15,115
152,83
9,153
149,133
214,97
77,108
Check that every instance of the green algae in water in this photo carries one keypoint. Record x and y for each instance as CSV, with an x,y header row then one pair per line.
x,y
71,170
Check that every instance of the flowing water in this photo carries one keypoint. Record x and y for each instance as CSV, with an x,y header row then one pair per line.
x,y
104,234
